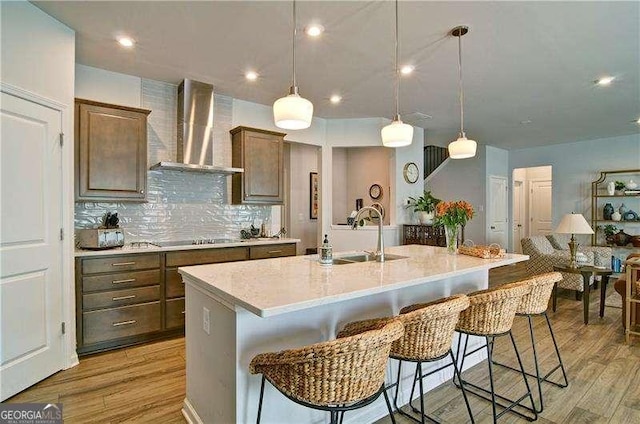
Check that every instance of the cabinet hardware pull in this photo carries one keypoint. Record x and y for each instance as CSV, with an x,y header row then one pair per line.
x,y
118,324
274,251
131,296
128,280
123,263
182,312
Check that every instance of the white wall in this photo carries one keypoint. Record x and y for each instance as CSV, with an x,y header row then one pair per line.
x,y
340,209
38,52
465,179
303,159
367,166
38,56
108,87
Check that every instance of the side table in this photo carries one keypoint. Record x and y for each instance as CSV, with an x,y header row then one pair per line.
x,y
587,272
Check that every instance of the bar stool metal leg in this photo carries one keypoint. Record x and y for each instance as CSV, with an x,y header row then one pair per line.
x,y
260,402
491,395
493,391
542,378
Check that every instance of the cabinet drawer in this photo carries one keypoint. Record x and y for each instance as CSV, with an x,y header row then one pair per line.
x,y
109,324
206,256
174,287
175,313
272,251
116,298
121,280
121,263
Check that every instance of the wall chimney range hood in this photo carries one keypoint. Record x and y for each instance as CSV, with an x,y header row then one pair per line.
x,y
195,131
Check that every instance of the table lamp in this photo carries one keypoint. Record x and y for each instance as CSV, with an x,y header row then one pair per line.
x,y
573,223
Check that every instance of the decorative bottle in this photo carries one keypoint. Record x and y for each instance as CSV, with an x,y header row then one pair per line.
x,y
607,212
326,252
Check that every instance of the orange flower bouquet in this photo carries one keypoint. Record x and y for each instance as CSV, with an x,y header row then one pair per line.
x,y
452,215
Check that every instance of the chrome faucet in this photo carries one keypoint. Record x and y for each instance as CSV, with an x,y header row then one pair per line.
x,y
379,253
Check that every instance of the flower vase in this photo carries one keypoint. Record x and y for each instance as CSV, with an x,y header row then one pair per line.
x,y
451,233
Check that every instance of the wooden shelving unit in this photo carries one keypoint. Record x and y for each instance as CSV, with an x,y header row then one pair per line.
x,y
598,193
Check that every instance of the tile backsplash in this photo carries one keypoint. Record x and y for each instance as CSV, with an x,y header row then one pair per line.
x,y
180,205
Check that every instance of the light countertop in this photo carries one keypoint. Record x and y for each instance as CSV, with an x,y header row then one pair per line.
x,y
128,249
274,286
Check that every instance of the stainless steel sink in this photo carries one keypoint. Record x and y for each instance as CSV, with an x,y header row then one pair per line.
x,y
363,257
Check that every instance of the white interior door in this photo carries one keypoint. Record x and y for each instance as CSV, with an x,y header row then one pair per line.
x,y
519,219
30,248
498,211
540,208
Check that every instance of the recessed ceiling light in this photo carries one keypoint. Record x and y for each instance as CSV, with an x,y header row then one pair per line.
x,y
526,121
605,80
126,41
335,99
407,69
638,121
314,30
251,75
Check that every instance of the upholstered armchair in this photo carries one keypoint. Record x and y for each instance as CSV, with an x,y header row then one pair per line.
x,y
543,257
601,254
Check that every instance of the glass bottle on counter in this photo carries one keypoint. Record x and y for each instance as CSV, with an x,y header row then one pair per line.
x,y
326,252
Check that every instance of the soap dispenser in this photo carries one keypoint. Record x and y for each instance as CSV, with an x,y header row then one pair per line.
x,y
326,252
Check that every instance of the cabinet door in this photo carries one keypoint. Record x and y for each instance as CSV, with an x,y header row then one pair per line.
x,y
261,156
111,153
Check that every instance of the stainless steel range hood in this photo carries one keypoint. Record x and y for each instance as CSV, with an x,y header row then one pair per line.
x,y
195,131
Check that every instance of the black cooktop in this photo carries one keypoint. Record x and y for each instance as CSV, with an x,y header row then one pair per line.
x,y
194,242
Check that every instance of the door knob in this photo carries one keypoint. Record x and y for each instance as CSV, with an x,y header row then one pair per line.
x,y
493,228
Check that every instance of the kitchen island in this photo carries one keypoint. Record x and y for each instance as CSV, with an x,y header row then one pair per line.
x,y
237,310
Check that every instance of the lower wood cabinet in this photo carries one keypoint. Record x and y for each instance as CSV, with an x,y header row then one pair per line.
x,y
175,313
122,300
115,323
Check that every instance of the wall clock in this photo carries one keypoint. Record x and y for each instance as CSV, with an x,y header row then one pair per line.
x,y
375,191
410,172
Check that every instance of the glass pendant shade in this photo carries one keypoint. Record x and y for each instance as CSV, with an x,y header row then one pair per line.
x,y
462,148
397,134
292,112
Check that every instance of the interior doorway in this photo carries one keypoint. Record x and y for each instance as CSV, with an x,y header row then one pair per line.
x,y
301,210
532,203
498,207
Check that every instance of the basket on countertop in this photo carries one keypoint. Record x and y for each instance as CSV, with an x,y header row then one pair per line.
x,y
492,251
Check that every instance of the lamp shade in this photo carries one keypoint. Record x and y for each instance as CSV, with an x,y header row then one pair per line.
x,y
397,134
462,148
574,223
292,112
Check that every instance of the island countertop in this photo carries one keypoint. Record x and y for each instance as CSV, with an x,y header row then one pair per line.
x,y
276,286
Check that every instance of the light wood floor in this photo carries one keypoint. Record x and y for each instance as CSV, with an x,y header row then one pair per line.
x,y
147,383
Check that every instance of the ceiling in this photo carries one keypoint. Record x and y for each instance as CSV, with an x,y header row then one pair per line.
x,y
529,67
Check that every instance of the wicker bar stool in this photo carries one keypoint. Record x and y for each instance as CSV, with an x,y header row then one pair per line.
x,y
490,314
335,376
535,304
428,333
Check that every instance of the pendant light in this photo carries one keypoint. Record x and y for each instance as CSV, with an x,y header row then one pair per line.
x,y
397,133
293,112
462,148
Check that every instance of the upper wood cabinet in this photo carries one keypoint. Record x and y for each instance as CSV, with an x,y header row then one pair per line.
x,y
110,152
260,153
